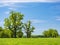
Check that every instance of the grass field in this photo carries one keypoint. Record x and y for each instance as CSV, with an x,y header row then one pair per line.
x,y
30,41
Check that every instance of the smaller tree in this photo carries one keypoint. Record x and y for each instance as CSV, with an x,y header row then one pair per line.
x,y
6,34
28,29
46,34
50,33
55,33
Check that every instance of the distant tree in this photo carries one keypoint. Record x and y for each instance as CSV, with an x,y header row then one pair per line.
x,y
14,23
50,33
6,34
28,29
53,33
46,34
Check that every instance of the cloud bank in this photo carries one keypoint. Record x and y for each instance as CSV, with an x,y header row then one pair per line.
x,y
13,2
4,1
38,21
58,18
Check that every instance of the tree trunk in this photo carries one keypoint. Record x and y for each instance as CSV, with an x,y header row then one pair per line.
x,y
28,34
15,32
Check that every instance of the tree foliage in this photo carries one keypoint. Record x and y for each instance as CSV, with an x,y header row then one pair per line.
x,y
6,33
51,33
28,29
14,23
20,34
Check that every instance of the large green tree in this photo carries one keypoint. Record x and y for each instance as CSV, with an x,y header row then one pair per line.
x,y
28,29
14,22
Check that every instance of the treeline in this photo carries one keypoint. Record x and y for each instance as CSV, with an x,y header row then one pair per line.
x,y
15,28
50,33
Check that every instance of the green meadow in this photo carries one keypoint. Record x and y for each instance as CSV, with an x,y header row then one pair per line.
x,y
29,41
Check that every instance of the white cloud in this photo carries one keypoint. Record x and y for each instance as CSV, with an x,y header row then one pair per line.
x,y
2,4
4,1
12,8
58,18
37,21
12,2
7,12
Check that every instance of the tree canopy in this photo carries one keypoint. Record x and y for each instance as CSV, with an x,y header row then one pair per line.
x,y
28,29
14,22
50,33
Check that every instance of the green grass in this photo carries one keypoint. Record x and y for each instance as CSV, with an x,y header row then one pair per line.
x,y
30,41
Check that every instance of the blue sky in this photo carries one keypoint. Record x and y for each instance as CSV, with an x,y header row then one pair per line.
x,y
44,15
